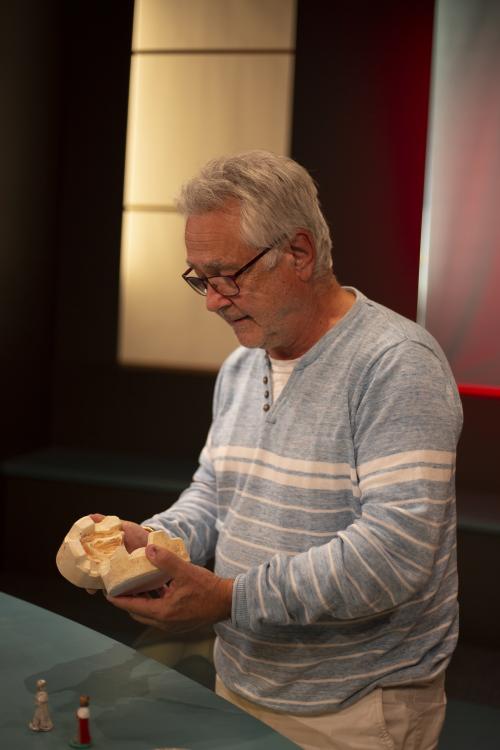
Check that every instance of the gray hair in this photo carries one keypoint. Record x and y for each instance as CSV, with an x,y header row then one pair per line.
x,y
277,197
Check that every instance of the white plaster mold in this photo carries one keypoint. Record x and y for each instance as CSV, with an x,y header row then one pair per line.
x,y
93,556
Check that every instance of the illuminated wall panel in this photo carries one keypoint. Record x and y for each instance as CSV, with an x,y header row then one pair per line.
x,y
184,109
459,299
207,78
162,317
214,24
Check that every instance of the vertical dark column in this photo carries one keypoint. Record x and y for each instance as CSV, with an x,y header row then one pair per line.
x,y
30,86
97,47
360,126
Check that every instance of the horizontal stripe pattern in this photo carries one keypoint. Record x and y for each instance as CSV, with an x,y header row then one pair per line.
x,y
288,479
334,512
286,463
417,523
407,458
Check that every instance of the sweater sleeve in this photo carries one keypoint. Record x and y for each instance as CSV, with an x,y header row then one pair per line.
x,y
193,517
406,419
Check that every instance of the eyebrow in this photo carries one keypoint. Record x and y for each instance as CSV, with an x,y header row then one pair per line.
x,y
217,268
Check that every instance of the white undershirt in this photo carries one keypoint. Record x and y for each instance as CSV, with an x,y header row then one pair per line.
x,y
281,370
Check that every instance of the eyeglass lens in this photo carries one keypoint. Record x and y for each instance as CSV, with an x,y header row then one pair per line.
x,y
222,284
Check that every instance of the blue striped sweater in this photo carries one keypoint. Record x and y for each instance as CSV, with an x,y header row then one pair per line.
x,y
334,511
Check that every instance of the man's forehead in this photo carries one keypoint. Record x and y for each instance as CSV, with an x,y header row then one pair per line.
x,y
213,241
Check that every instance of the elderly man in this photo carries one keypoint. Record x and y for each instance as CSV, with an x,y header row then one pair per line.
x,y
325,490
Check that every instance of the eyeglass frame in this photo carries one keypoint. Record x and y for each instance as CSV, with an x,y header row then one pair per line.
x,y
232,277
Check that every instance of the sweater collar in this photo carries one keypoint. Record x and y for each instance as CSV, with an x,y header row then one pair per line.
x,y
325,341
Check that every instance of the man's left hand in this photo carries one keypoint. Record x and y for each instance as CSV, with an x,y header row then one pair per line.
x,y
194,596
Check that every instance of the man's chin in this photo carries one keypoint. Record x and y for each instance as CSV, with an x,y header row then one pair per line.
x,y
248,334
250,342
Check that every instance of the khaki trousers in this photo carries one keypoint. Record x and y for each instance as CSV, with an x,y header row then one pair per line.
x,y
404,718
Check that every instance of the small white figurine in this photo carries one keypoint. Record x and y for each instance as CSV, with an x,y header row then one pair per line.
x,y
41,721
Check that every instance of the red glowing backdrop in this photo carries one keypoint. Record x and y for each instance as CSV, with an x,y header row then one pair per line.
x,y
459,294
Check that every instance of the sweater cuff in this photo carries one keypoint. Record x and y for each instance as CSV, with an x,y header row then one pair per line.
x,y
239,610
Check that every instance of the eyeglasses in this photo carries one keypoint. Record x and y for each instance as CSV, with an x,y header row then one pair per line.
x,y
224,285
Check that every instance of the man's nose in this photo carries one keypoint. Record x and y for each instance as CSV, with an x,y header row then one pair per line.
x,y
215,301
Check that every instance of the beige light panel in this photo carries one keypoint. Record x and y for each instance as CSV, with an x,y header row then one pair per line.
x,y
214,24
183,110
166,322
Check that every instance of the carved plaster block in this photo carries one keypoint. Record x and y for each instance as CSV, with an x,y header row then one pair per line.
x,y
93,556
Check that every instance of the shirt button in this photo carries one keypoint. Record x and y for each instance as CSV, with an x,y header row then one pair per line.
x,y
265,380
266,407
266,394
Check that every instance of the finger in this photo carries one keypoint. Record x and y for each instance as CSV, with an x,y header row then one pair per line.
x,y
146,621
96,517
137,605
166,560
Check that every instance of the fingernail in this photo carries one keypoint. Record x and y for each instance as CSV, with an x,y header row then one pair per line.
x,y
152,550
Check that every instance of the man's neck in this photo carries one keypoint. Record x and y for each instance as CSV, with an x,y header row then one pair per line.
x,y
327,304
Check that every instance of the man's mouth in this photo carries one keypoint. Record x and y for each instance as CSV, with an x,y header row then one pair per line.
x,y
235,321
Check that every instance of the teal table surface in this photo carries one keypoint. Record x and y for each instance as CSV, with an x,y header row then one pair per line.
x,y
135,703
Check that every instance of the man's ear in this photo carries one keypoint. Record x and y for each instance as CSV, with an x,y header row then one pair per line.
x,y
303,251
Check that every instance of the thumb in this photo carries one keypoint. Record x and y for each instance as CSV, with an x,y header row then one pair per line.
x,y
164,559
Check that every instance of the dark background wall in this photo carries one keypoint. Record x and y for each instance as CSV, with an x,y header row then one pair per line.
x,y
360,126
30,127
